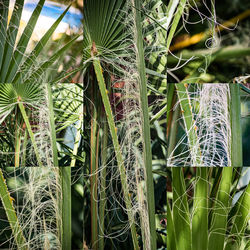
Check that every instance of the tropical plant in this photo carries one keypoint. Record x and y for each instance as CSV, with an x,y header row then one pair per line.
x,y
145,114
16,66
114,59
31,137
203,211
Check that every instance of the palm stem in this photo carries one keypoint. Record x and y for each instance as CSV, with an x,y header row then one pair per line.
x,y
236,134
93,180
17,143
242,217
52,125
32,137
220,211
117,149
200,210
7,202
171,239
145,123
65,179
24,146
103,185
65,207
77,138
181,216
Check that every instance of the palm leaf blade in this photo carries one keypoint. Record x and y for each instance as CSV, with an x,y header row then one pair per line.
x,y
23,42
3,27
37,50
11,38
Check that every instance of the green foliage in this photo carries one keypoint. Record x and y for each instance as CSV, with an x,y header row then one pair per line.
x,y
140,109
22,98
212,213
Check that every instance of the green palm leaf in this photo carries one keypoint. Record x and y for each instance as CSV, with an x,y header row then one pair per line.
x,y
30,61
10,94
12,100
7,100
67,106
3,27
106,31
11,38
13,66
23,42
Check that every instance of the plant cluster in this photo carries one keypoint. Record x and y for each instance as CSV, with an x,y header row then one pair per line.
x,y
128,135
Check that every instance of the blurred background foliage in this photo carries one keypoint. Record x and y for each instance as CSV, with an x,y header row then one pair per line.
x,y
236,34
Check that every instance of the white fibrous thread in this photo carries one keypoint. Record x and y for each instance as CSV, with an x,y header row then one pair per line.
x,y
129,121
37,195
39,121
211,121
45,146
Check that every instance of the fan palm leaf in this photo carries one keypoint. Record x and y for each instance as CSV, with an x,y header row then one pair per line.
x,y
106,31
10,94
15,65
68,104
